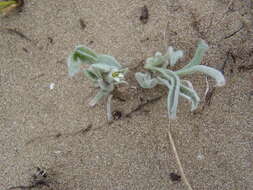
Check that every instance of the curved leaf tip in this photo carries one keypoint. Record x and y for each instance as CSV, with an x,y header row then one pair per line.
x,y
73,66
202,44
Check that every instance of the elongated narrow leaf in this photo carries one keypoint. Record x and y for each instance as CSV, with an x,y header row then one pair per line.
x,y
186,92
109,60
191,95
173,93
90,75
214,73
104,86
96,72
196,60
145,80
86,51
188,83
169,97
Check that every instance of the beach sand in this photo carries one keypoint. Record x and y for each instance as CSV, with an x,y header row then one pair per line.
x,y
45,120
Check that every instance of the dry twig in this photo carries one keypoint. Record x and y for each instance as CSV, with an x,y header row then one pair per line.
x,y
178,160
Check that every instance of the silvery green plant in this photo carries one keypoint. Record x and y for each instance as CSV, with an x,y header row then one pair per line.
x,y
103,70
158,73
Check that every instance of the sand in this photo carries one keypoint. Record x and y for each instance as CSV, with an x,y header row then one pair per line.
x,y
44,113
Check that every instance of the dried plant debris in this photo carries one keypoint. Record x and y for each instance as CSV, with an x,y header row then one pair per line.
x,y
39,179
16,32
209,95
141,106
230,57
82,131
175,177
6,7
233,33
50,40
82,24
244,68
144,14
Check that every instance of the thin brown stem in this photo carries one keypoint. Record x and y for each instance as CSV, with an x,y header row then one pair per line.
x,y
178,160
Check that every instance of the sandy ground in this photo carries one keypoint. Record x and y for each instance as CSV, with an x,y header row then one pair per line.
x,y
43,127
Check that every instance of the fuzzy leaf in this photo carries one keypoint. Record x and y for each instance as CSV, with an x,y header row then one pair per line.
x,y
145,80
109,60
186,92
102,68
173,57
90,75
173,94
155,61
74,66
81,55
84,54
188,83
104,86
214,73
101,93
191,95
96,72
196,60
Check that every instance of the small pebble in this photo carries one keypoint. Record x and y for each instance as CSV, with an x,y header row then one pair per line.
x,y
200,156
57,152
51,86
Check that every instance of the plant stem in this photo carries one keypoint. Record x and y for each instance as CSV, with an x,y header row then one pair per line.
x,y
109,107
178,160
98,96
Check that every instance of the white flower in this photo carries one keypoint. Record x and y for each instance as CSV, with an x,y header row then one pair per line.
x,y
117,75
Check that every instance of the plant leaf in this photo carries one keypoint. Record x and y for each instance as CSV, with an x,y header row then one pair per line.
x,y
191,95
84,54
90,75
109,60
173,94
196,60
188,83
173,57
81,55
74,66
214,73
145,80
155,61
101,93
104,86
102,68
186,92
